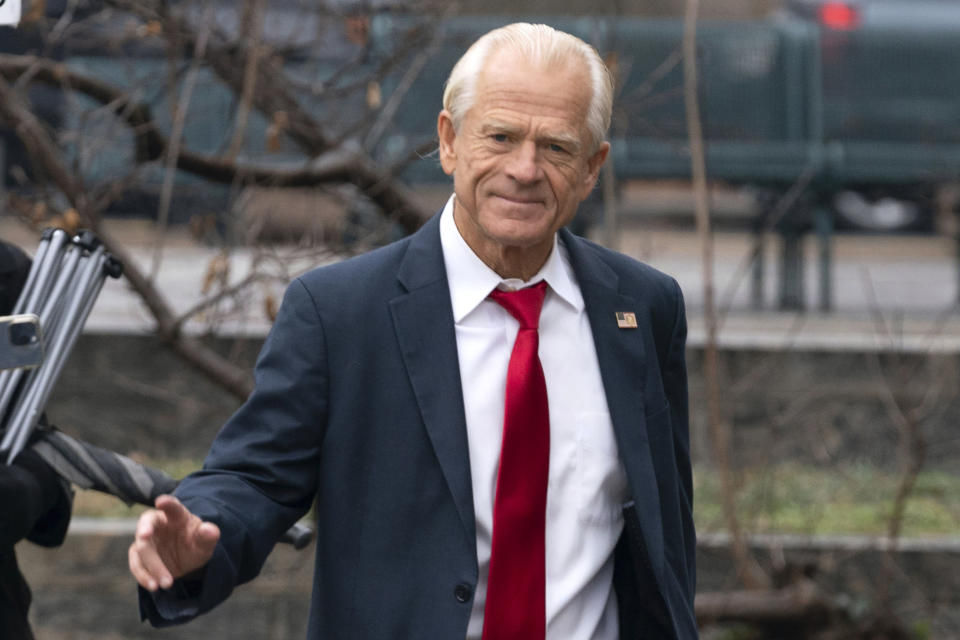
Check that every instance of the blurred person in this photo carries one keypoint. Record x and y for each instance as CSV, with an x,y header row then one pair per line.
x,y
35,504
489,416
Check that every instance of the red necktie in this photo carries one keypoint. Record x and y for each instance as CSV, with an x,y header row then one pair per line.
x,y
516,599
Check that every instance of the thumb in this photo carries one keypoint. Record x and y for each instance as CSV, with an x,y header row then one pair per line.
x,y
207,536
198,544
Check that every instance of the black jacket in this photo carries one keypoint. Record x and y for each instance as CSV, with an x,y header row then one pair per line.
x,y
34,503
14,267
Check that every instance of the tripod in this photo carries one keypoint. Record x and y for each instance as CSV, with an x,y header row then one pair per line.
x,y
62,286
64,281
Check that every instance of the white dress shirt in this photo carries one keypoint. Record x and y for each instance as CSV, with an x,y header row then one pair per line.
x,y
587,484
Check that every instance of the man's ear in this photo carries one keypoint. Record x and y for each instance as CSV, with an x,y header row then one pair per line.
x,y
594,163
446,135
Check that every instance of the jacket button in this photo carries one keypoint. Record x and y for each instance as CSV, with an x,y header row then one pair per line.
x,y
462,592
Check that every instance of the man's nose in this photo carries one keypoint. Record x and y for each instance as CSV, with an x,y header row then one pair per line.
x,y
524,163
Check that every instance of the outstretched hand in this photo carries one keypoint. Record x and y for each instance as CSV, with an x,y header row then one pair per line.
x,y
169,543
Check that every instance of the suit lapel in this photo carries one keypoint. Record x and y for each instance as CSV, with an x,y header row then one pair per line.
x,y
423,318
623,362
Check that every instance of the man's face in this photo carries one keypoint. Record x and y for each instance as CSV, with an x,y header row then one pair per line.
x,y
522,160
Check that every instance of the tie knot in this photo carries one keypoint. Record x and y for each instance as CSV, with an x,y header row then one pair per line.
x,y
523,304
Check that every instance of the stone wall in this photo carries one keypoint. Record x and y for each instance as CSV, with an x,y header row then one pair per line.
x,y
132,394
831,409
82,591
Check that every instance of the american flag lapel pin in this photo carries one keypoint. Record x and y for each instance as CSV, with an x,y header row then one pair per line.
x,y
626,320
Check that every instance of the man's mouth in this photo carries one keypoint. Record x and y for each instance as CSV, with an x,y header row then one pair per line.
x,y
520,199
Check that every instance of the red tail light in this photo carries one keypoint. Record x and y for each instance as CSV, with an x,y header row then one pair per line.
x,y
840,16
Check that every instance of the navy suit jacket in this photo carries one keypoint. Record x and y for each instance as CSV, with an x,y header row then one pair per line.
x,y
358,406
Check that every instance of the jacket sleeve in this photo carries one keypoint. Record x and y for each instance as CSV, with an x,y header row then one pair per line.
x,y
14,268
34,503
261,472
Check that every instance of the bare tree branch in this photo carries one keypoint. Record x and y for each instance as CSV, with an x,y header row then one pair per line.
x,y
172,150
274,96
251,30
801,603
911,447
31,131
748,570
336,166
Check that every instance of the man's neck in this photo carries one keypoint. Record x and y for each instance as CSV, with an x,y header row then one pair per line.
x,y
506,261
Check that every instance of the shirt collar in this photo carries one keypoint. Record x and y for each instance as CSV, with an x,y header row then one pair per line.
x,y
471,281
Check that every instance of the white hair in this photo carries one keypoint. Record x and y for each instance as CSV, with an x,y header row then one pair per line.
x,y
541,45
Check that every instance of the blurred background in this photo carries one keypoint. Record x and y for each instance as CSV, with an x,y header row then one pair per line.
x,y
801,180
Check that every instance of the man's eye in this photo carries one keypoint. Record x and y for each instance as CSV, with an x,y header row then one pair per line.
x,y
556,148
499,137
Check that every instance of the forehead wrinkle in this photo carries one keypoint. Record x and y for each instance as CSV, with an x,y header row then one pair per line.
x,y
500,102
497,94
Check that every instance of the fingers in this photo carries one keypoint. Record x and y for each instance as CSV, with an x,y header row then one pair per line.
x,y
169,542
146,568
199,538
146,565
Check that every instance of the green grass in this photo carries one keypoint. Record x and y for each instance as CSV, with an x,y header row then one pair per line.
x,y
853,500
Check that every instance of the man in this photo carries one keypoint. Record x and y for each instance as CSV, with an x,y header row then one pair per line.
x,y
34,502
469,480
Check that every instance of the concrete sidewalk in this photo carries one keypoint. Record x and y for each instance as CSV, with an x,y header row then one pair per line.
x,y
894,292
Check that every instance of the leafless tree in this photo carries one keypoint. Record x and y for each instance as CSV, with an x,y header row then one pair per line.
x,y
784,600
318,104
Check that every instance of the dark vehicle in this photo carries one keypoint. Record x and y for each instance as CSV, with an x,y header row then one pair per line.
x,y
853,105
857,100
890,96
102,46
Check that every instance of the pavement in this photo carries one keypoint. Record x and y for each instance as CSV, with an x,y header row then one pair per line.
x,y
889,292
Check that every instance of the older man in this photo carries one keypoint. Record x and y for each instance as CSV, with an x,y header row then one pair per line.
x,y
490,414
